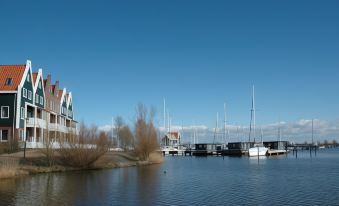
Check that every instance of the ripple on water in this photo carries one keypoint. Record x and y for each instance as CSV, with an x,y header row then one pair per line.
x,y
188,181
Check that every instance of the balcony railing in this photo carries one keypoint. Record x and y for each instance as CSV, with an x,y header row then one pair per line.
x,y
40,123
36,122
52,126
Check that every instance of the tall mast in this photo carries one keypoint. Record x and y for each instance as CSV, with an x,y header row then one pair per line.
x,y
279,132
225,123
168,120
165,116
217,131
312,132
112,129
252,123
253,108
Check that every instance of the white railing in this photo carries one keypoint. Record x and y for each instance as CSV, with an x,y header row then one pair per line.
x,y
63,129
36,122
30,122
41,123
52,126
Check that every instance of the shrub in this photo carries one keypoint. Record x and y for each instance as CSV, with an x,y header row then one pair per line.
x,y
84,149
8,167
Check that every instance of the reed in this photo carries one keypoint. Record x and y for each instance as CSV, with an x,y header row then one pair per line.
x,y
8,167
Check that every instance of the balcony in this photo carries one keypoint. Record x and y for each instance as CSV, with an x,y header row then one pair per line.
x,y
35,122
63,129
30,122
52,127
41,123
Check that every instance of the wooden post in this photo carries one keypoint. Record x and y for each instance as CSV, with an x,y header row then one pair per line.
x,y
315,151
310,151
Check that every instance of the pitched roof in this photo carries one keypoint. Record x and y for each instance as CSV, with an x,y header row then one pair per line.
x,y
53,88
173,135
11,71
60,94
35,75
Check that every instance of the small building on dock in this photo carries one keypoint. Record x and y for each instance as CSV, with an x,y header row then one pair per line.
x,y
172,139
276,145
240,145
237,148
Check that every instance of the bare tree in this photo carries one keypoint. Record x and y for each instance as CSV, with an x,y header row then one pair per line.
x,y
118,124
84,149
334,142
326,142
126,137
146,135
48,149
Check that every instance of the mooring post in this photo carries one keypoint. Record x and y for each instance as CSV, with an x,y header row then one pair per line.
x,y
310,151
315,151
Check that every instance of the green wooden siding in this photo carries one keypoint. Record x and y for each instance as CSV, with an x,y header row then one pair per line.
x,y
70,109
8,100
40,92
64,106
29,86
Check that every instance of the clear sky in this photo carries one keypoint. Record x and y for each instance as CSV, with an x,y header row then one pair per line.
x,y
196,54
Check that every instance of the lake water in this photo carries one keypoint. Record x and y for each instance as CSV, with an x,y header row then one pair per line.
x,y
282,180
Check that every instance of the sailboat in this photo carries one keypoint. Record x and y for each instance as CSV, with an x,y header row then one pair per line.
x,y
258,149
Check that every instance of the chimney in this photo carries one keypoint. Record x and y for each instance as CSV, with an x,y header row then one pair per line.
x,y
56,90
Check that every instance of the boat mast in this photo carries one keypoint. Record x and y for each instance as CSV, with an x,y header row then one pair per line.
x,y
168,121
252,124
164,116
312,132
217,130
225,123
279,131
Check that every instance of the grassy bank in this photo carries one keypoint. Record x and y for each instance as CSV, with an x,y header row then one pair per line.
x,y
14,165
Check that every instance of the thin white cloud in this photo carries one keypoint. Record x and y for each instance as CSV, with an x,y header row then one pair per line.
x,y
299,131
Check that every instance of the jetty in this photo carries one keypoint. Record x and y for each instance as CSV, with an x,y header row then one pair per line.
x,y
230,149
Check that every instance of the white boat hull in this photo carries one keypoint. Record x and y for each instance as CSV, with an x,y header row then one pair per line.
x,y
257,151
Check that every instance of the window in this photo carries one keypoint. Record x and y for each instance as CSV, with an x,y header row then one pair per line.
x,y
22,113
30,95
4,135
25,92
39,85
9,81
4,112
41,100
36,98
28,79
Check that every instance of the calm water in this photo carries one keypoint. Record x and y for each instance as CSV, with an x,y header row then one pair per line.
x,y
189,181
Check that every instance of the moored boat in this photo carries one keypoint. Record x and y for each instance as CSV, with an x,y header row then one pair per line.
x,y
257,150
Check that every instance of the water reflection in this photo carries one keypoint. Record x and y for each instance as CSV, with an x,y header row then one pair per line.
x,y
188,181
148,184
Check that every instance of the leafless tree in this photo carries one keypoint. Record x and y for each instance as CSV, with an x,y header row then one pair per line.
x,y
146,135
118,124
126,137
83,149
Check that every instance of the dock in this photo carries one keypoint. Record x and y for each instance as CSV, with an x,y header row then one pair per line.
x,y
232,149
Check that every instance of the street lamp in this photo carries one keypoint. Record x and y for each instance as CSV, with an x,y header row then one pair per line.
x,y
25,138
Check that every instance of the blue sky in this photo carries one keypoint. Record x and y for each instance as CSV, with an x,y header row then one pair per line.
x,y
196,54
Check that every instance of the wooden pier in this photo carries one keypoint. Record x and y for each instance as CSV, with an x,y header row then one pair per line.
x,y
240,149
